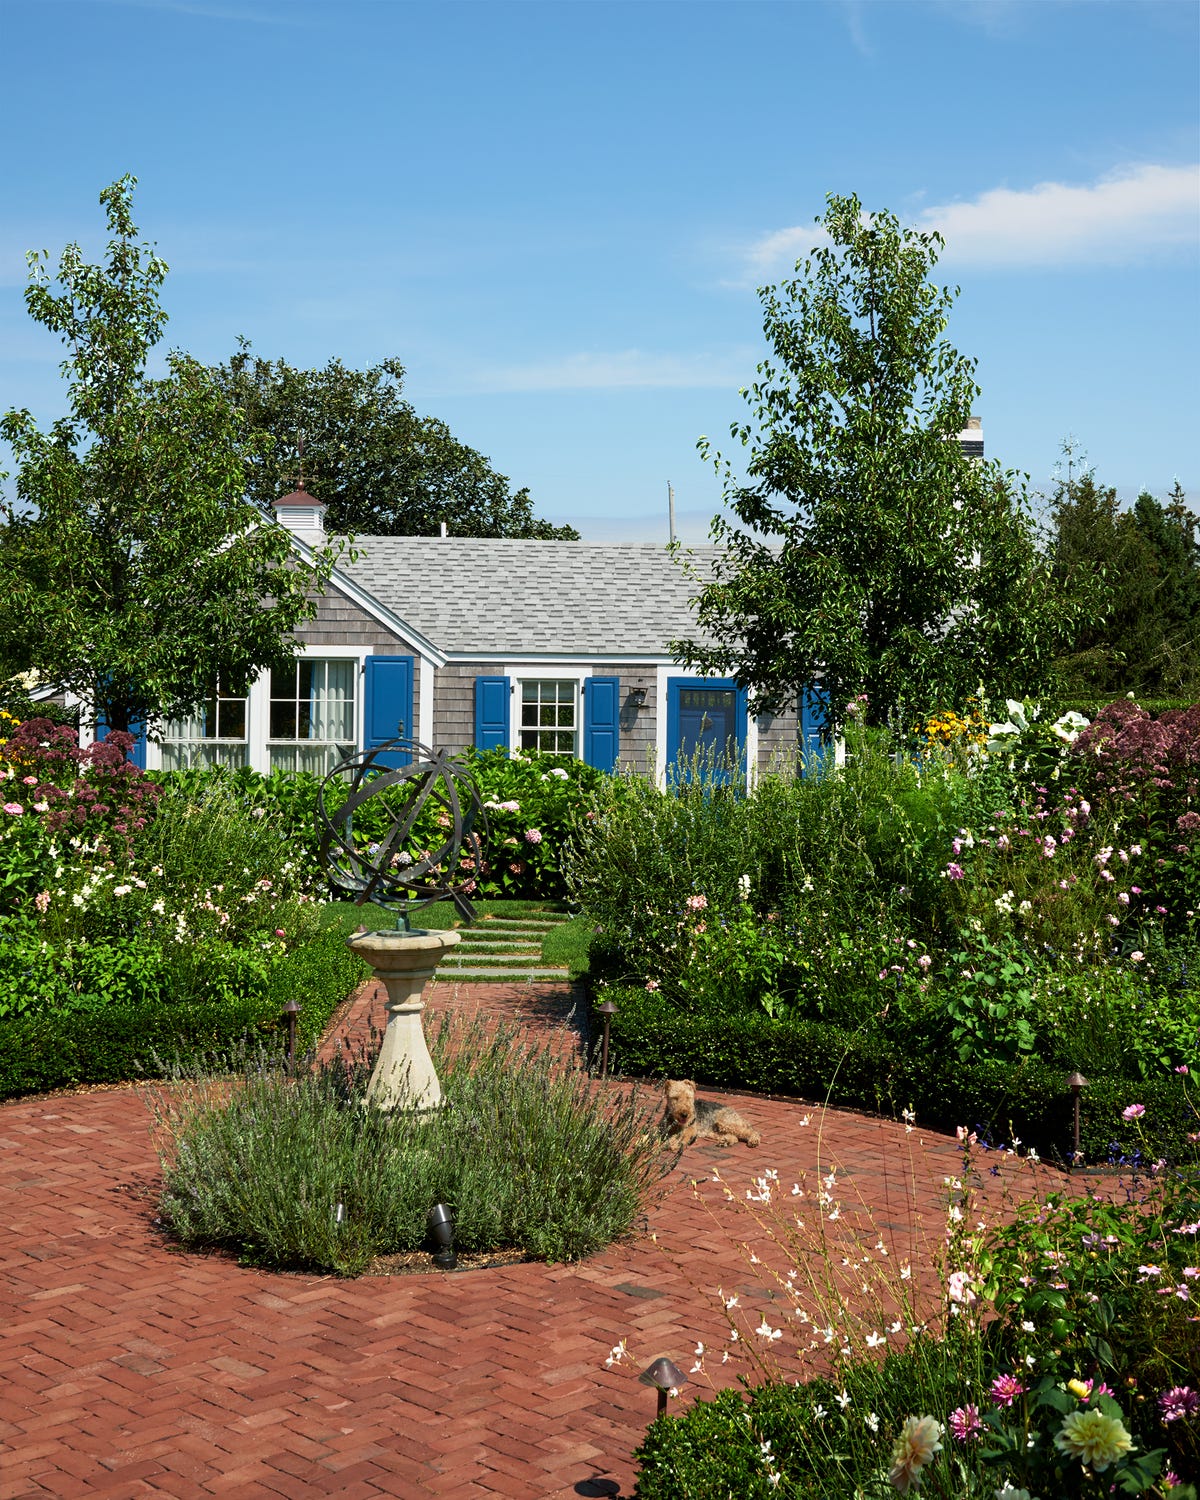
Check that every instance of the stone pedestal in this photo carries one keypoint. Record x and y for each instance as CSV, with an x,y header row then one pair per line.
x,y
404,1076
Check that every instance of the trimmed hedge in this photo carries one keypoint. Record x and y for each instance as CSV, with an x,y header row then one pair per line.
x,y
650,1037
118,1043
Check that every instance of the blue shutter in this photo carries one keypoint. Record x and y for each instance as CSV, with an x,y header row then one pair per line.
x,y
601,722
138,754
491,713
814,709
388,702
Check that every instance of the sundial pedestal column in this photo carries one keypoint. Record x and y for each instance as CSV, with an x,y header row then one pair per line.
x,y
404,1075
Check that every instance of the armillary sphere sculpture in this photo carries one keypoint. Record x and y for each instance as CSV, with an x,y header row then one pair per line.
x,y
389,874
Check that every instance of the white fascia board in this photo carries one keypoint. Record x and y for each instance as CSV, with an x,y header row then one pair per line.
x,y
379,612
563,658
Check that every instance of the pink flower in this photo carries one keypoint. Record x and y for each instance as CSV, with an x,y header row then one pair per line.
x,y
1179,1403
954,872
1133,1111
1136,956
42,902
279,932
696,903
960,1287
533,836
1182,1068
652,985
14,809
1006,1389
965,1423
924,962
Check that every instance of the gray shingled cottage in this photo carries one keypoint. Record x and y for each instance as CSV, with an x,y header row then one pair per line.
x,y
556,646
457,641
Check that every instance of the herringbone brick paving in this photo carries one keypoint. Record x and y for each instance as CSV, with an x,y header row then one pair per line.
x,y
130,1369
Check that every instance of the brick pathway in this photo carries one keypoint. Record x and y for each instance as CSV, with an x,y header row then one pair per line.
x,y
131,1369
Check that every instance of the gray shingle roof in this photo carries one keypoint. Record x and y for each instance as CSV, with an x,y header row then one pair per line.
x,y
487,598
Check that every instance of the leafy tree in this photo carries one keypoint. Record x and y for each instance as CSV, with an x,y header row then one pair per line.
x,y
1143,569
863,547
380,468
135,570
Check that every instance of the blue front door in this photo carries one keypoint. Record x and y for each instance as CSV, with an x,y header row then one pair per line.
x,y
706,725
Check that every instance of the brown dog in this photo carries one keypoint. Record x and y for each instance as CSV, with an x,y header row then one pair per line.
x,y
690,1119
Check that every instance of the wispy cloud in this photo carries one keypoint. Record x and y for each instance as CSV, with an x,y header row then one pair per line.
x,y
621,369
214,10
1125,216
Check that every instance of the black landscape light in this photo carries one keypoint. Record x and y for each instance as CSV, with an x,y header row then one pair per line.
x,y
665,1377
291,1012
441,1227
1076,1083
608,1010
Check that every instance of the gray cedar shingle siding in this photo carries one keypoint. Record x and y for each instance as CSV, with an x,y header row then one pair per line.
x,y
454,702
341,622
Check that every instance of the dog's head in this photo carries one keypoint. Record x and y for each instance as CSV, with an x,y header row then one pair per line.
x,y
681,1100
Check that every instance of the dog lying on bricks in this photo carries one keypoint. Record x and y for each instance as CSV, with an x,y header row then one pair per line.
x,y
688,1119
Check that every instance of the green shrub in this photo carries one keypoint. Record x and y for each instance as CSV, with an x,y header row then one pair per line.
x,y
525,1153
867,1069
117,1041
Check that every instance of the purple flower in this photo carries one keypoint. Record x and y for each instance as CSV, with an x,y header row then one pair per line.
x,y
965,1422
1179,1403
1006,1389
954,872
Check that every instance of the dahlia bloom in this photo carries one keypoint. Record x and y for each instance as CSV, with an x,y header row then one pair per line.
x,y
1096,1439
920,1438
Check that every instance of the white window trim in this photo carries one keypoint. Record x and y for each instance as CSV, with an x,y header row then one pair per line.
x,y
545,671
258,710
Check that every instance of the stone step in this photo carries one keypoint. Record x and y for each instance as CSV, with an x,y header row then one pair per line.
x,y
514,976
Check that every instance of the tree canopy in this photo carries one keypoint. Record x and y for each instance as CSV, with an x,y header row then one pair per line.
x,y
381,469
1142,568
863,548
135,569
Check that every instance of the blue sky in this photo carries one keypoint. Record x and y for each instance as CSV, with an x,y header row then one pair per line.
x,y
556,214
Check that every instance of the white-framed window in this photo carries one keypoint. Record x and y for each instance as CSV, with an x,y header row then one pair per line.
x,y
548,715
311,713
214,735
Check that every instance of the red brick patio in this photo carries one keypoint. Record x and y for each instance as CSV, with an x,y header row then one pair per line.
x,y
128,1368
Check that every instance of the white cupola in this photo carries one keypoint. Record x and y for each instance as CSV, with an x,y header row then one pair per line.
x,y
301,512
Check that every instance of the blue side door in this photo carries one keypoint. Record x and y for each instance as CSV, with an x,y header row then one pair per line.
x,y
706,725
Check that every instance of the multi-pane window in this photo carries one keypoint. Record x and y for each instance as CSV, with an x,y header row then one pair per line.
x,y
311,725
213,735
550,716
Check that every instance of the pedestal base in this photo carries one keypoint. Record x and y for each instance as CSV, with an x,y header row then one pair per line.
x,y
404,1075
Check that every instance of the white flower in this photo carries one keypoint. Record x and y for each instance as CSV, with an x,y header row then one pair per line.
x,y
843,1400
765,1331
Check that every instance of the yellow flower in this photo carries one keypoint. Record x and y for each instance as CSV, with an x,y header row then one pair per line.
x,y
1078,1388
920,1438
1095,1439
